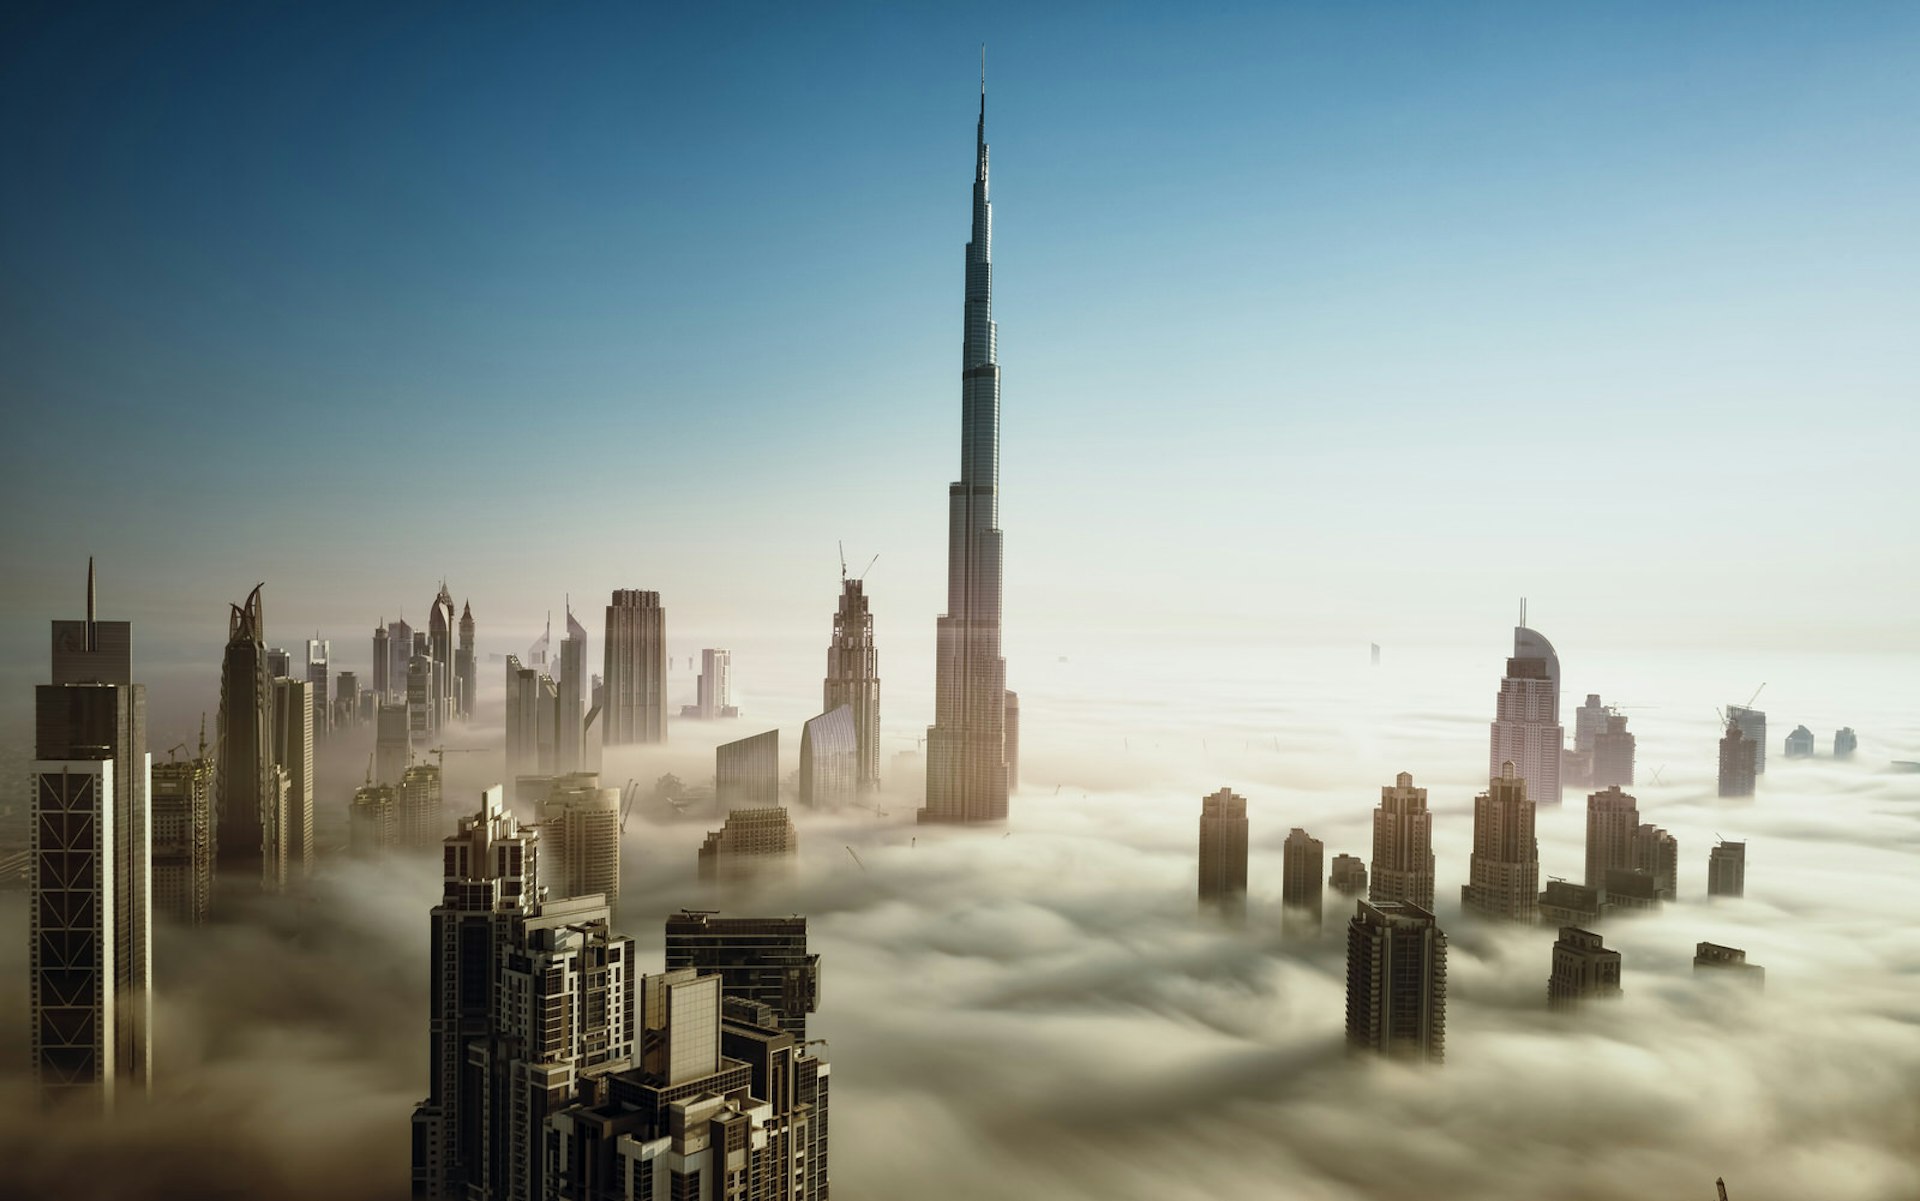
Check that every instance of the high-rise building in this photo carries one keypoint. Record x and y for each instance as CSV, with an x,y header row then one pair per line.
x,y
966,745
1612,818
399,655
1657,853
382,663
523,718
746,772
1613,753
250,847
1349,876
1630,888
1526,728
424,702
1800,743
90,919
570,720
1013,742
1588,720
1727,869
182,802
1504,869
724,1105
1844,743
853,677
1302,870
713,691
634,708
1738,753
1753,727
1402,846
293,753
762,959
373,821
1583,969
1713,958
419,808
279,663
580,834
466,669
1396,982
829,760
319,676
749,841
440,632
346,699
1564,903
393,742
1223,851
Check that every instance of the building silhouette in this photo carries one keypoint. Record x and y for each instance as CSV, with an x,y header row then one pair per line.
x,y
1526,727
182,804
748,842
1504,868
293,754
250,847
1348,877
393,742
346,699
1583,969
966,745
1223,852
1800,743
90,919
319,698
1713,959
1396,982
1844,743
466,668
760,959
746,772
1727,869
382,664
853,677
1630,888
1612,819
580,837
713,690
1753,726
1402,846
399,655
829,760
1302,871
1613,750
1657,853
441,625
634,704
279,663
570,720
1738,754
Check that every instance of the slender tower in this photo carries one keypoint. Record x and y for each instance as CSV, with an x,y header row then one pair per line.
x,y
853,676
966,745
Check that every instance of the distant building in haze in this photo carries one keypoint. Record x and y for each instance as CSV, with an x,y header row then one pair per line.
x,y
393,742
1504,869
250,849
1844,743
570,722
1402,846
1630,888
382,664
747,772
319,676
853,678
373,822
1588,720
1302,870
466,670
182,801
279,663
1727,870
1349,876
1565,903
420,808
1753,726
749,841
523,718
346,699
1800,743
1657,853
1738,754
293,754
713,691
761,959
1223,851
580,838
399,654
1613,749
634,705
829,760
1583,969
1526,728
1396,982
1712,957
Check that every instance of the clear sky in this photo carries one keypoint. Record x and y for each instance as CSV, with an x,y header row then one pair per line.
x,y
1347,322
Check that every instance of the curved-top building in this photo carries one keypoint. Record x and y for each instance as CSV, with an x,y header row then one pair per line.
x,y
1526,726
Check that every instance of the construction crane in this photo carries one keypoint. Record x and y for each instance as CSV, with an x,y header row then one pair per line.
x,y
627,796
441,753
863,570
856,858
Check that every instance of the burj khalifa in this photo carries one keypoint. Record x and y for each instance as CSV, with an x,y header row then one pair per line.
x,y
967,766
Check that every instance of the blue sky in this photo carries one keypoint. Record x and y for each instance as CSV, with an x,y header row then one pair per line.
x,y
1333,320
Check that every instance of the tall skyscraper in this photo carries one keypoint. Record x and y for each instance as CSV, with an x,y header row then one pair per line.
x,y
1588,720
634,706
1583,969
1612,818
399,654
1402,846
761,959
1396,982
1223,851
1738,754
1613,753
748,842
293,754
570,722
183,837
392,742
580,837
319,675
966,745
523,718
424,700
419,810
829,760
1302,873
1504,869
1727,869
250,846
714,689
1753,726
346,699
440,631
90,920
1657,853
1526,728
466,669
853,677
746,772
373,821
382,664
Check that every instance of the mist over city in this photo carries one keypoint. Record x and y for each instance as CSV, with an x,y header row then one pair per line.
x,y
1403,691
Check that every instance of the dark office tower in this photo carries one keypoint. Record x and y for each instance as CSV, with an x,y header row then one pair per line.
x,y
1613,753
1727,870
250,847
346,699
1302,868
382,664
465,666
1402,846
1738,754
634,705
293,753
1504,869
1657,853
1583,969
746,773
570,721
853,677
393,743
1844,743
1753,726
319,674
1800,743
279,663
829,760
1223,851
399,654
1612,818
183,837
1713,958
90,984
761,959
966,745
1526,727
1349,876
440,630
1396,982
1565,903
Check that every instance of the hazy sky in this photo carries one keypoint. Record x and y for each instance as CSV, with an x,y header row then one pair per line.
x,y
1343,323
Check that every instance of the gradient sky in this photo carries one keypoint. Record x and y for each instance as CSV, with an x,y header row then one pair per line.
x,y
1337,323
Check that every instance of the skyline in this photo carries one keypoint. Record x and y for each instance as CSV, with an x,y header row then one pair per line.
x,y
1316,293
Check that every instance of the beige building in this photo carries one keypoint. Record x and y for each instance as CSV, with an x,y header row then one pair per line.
x,y
750,840
580,834
1504,870
1402,846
